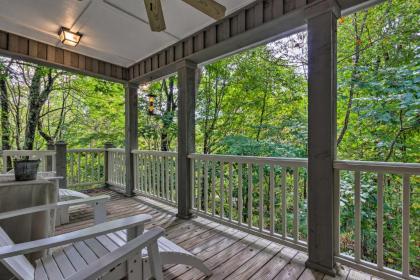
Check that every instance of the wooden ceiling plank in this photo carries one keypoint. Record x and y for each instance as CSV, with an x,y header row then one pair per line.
x,y
26,49
85,15
42,51
3,40
33,48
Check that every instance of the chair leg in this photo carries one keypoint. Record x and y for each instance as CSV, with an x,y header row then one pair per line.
x,y
64,215
58,218
185,259
99,212
154,261
134,232
134,268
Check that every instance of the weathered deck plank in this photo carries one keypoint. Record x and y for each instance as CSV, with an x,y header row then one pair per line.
x,y
230,253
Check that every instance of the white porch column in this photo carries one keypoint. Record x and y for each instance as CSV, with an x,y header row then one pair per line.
x,y
187,85
131,132
322,94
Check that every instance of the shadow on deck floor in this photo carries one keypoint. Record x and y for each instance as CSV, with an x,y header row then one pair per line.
x,y
229,253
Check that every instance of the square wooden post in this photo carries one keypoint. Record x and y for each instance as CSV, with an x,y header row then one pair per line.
x,y
50,147
108,145
131,135
187,86
322,99
61,163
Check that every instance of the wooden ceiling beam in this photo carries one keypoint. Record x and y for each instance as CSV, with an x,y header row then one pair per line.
x,y
155,15
209,7
19,47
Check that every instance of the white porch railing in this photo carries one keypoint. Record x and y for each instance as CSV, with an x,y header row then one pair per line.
x,y
262,195
43,156
116,167
267,197
156,175
380,177
85,167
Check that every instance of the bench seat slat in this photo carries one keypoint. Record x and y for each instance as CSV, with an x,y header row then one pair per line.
x,y
40,273
85,252
63,263
75,258
51,268
116,239
107,243
96,247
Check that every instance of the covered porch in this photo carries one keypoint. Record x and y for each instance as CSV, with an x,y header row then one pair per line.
x,y
200,198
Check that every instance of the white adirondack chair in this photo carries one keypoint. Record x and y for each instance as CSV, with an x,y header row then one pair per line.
x,y
67,194
62,215
79,259
105,243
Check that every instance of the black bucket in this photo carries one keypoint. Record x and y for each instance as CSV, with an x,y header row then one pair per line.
x,y
26,170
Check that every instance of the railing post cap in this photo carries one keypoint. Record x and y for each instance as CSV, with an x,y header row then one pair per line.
x,y
108,145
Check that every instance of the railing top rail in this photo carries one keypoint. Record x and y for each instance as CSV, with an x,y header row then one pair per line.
x,y
377,166
28,152
86,150
289,162
116,150
155,153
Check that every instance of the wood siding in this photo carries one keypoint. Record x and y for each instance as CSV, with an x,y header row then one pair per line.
x,y
23,48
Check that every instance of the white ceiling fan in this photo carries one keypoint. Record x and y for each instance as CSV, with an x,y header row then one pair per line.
x,y
157,21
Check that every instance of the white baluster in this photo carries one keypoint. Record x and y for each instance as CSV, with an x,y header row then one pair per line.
x,y
250,195
406,226
283,201
240,199
213,188
295,204
380,222
261,197
230,191
222,190
357,218
272,205
206,186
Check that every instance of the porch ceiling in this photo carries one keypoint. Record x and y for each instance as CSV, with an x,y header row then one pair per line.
x,y
113,31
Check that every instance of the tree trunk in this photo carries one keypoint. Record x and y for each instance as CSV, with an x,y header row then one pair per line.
x,y
168,115
5,124
354,75
36,100
262,116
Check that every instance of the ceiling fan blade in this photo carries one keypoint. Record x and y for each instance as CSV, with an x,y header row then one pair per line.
x,y
208,7
155,15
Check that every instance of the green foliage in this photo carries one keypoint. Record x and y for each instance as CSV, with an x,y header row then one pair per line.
x,y
98,115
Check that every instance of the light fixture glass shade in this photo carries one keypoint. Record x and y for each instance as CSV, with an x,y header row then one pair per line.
x,y
69,38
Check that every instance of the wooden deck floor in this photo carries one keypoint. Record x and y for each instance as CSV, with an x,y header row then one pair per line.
x,y
229,253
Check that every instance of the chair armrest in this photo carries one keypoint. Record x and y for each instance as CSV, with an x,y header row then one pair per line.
x,y
83,234
58,205
109,261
